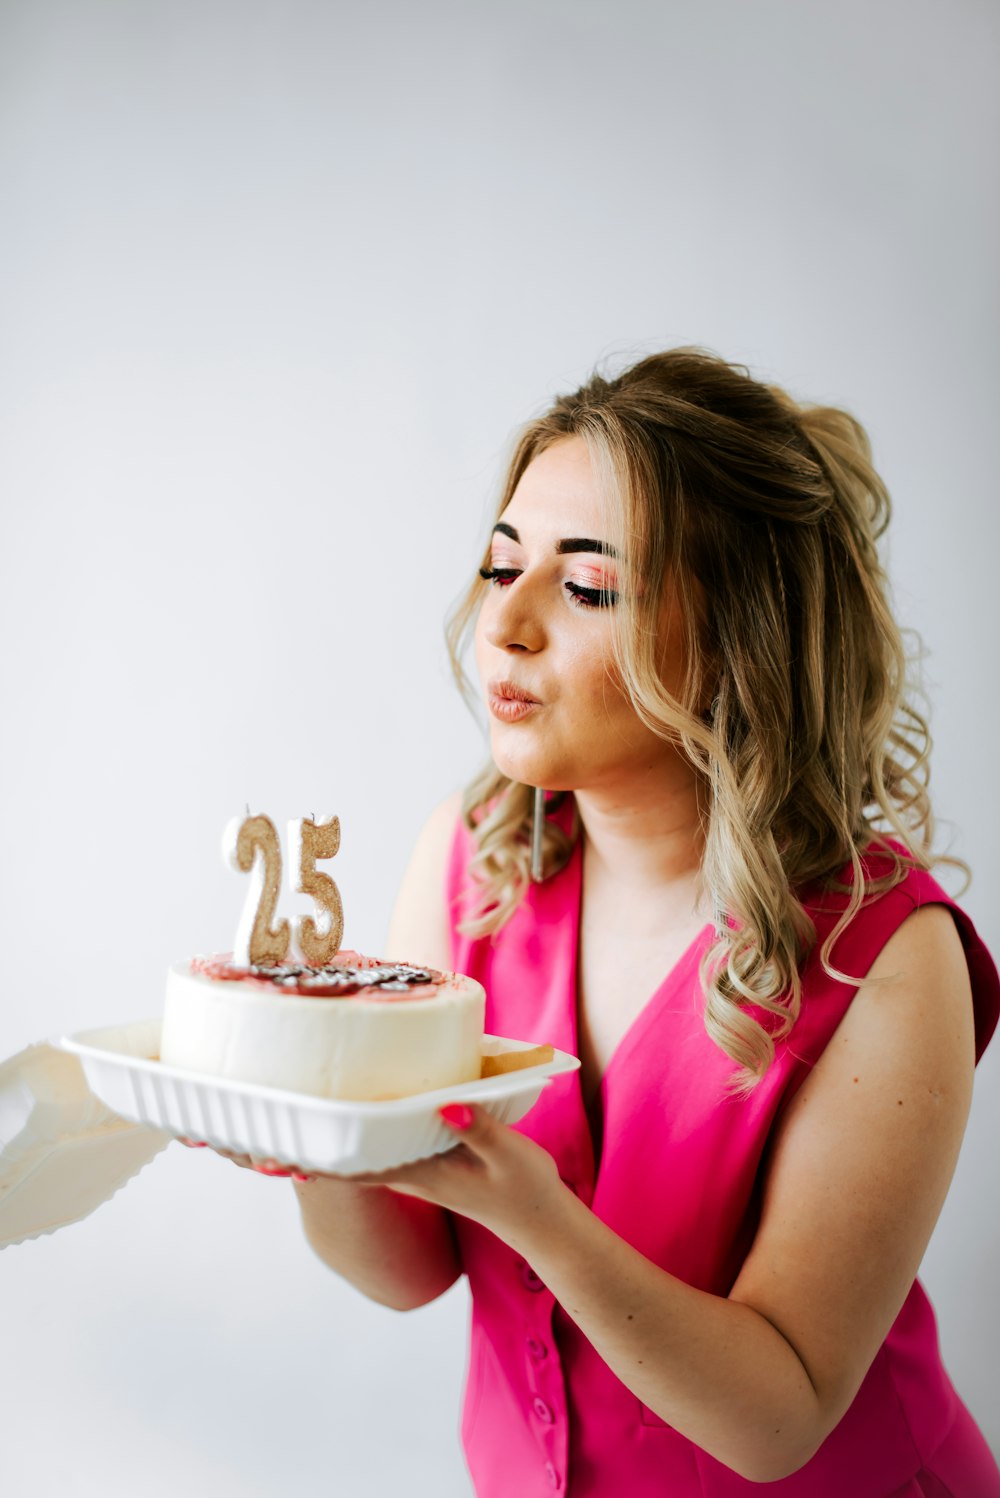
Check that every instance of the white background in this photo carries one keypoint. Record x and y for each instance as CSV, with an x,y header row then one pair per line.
x,y
278,283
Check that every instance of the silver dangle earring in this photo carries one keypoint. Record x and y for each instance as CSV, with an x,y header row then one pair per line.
x,y
537,824
720,919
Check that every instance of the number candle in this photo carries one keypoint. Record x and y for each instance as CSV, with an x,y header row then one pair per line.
x,y
251,847
307,842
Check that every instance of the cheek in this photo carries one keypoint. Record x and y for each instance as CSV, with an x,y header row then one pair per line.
x,y
591,682
479,640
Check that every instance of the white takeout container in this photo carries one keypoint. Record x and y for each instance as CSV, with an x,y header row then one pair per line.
x,y
122,1068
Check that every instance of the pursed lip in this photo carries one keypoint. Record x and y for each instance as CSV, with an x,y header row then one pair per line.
x,y
509,703
509,691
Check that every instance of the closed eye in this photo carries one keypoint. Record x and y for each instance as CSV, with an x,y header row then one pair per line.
x,y
592,596
499,574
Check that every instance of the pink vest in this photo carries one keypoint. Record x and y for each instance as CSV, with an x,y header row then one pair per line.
x,y
678,1179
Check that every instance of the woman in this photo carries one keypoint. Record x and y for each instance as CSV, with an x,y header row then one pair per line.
x,y
692,1264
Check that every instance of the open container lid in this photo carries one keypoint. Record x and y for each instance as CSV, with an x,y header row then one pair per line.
x,y
62,1151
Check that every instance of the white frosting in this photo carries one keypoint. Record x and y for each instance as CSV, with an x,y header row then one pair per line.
x,y
351,1047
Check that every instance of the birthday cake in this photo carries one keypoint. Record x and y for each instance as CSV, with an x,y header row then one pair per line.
x,y
353,1027
322,1020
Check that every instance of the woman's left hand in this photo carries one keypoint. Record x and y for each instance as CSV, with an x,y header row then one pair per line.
x,y
494,1175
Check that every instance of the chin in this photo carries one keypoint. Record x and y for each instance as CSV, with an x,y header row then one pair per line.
x,y
528,770
525,767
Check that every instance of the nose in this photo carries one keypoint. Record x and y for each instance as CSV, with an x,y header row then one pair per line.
x,y
513,617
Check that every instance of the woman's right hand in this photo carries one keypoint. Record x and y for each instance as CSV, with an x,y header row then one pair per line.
x,y
260,1163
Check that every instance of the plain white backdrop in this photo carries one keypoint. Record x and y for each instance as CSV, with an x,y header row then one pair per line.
x,y
279,281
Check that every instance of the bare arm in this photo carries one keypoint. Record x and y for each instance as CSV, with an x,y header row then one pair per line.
x,y
394,1248
859,1171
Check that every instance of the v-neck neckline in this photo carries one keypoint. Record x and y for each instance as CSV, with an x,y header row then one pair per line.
x,y
594,1115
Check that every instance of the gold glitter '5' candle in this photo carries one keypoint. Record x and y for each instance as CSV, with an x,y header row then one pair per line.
x,y
307,842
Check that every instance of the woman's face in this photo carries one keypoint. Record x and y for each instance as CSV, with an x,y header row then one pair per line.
x,y
544,629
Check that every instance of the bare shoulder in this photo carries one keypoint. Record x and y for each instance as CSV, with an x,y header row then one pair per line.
x,y
860,1164
418,929
915,1006
928,934
910,1027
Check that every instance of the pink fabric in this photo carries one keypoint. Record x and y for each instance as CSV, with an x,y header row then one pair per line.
x,y
677,1177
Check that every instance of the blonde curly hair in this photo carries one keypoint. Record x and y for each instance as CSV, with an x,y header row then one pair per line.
x,y
797,707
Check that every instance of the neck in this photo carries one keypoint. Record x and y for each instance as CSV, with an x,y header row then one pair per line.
x,y
645,835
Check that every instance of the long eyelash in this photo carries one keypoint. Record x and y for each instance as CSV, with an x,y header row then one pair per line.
x,y
593,598
493,574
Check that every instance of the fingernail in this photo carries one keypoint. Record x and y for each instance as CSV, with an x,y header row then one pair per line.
x,y
298,1176
458,1115
272,1170
193,1144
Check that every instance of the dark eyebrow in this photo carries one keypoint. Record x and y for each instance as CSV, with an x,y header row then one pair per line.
x,y
573,543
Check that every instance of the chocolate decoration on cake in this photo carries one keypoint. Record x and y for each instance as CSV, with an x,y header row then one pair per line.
x,y
338,980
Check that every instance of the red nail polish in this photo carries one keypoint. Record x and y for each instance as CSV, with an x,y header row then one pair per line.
x,y
298,1176
459,1115
193,1144
272,1170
